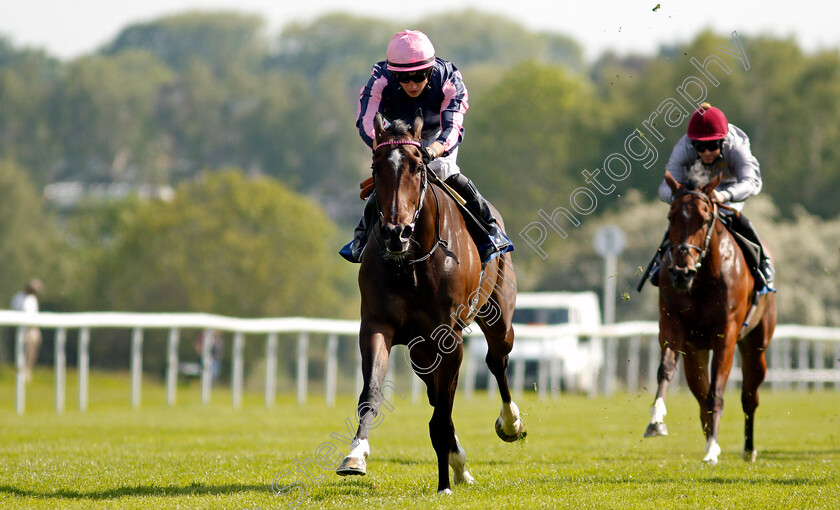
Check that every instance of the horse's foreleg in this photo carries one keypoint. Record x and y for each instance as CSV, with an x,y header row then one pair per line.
x,y
753,368
664,376
721,366
375,350
441,428
458,463
696,364
509,426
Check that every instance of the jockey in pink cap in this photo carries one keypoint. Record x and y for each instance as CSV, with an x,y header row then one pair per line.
x,y
712,142
411,82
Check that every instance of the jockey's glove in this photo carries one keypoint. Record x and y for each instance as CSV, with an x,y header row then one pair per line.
x,y
429,153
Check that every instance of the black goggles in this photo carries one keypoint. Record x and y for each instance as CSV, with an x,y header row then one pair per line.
x,y
706,145
415,76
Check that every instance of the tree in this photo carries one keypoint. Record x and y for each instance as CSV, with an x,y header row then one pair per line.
x,y
529,138
225,244
104,111
219,39
27,79
471,37
29,241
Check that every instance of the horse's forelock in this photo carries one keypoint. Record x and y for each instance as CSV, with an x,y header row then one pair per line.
x,y
399,128
699,175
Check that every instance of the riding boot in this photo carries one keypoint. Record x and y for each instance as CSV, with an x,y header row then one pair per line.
x,y
490,240
763,267
352,251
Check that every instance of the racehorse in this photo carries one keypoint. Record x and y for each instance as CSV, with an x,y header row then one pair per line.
x,y
421,284
707,302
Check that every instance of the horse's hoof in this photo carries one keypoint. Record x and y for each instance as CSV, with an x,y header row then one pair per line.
x,y
352,466
444,492
466,478
656,429
749,455
509,438
710,461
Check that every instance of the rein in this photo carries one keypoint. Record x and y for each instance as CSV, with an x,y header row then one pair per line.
x,y
687,246
424,184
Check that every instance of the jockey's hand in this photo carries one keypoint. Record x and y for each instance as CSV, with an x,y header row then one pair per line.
x,y
718,197
429,153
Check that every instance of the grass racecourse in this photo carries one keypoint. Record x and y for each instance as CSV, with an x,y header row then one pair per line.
x,y
579,453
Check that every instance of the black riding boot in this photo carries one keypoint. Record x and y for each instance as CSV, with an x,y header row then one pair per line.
x,y
352,251
491,241
762,268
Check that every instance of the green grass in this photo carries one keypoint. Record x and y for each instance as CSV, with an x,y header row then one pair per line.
x,y
579,453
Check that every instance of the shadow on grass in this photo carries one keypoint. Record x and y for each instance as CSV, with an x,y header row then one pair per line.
x,y
141,490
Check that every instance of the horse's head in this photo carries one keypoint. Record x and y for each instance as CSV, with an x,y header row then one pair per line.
x,y
400,180
691,222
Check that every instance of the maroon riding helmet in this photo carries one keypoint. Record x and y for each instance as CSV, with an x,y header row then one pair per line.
x,y
707,123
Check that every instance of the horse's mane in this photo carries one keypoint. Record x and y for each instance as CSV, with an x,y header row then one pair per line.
x,y
699,175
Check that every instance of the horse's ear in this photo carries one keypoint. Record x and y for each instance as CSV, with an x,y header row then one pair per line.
x,y
708,188
378,128
672,183
418,127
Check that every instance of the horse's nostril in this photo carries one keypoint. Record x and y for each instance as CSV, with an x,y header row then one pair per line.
x,y
406,233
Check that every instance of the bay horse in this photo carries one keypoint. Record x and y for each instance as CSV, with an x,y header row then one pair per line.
x,y
421,283
708,303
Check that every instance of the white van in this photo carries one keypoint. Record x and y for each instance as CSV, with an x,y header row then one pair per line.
x,y
552,361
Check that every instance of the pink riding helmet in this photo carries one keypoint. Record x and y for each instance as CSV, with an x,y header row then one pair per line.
x,y
410,50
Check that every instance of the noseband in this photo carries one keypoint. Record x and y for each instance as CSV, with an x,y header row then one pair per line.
x,y
424,183
687,246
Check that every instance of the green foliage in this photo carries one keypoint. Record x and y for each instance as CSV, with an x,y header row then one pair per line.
x,y
471,37
225,244
219,39
27,79
334,41
104,114
29,240
529,138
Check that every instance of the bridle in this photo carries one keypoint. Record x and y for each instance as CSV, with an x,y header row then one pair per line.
x,y
424,184
680,247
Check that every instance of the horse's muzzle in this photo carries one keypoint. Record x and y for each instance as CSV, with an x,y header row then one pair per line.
x,y
682,277
396,237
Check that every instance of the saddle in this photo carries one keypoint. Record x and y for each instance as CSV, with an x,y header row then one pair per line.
x,y
366,187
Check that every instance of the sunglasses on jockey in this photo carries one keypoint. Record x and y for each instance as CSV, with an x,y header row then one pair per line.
x,y
702,146
414,76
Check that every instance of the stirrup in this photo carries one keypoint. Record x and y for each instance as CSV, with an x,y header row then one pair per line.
x,y
352,253
497,244
654,276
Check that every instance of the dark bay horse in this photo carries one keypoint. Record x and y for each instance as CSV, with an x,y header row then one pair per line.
x,y
421,283
707,303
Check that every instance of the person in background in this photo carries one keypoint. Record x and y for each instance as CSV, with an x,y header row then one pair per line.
x,y
26,300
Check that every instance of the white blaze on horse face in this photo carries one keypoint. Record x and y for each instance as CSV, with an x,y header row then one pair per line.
x,y
510,418
396,159
658,411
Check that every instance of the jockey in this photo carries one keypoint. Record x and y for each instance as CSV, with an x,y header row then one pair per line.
x,y
725,148
412,82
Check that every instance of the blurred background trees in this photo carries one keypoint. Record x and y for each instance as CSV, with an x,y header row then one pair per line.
x,y
199,163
